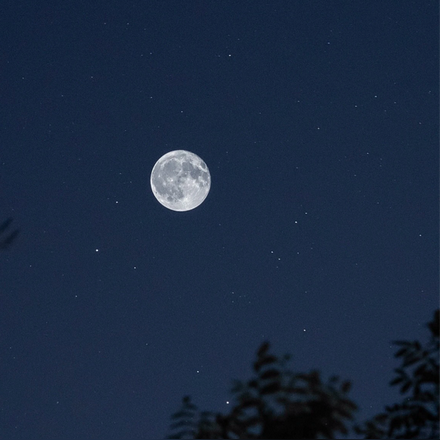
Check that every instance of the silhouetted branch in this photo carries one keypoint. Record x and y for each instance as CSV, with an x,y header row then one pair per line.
x,y
418,377
9,239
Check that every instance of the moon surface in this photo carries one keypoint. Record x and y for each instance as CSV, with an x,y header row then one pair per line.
x,y
180,180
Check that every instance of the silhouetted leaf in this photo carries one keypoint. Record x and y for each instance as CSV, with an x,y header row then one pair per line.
x,y
420,371
5,224
395,423
247,403
182,423
263,349
297,390
4,244
405,387
348,403
396,381
434,325
271,388
403,343
270,374
253,383
381,418
264,361
181,414
345,413
401,352
411,361
346,386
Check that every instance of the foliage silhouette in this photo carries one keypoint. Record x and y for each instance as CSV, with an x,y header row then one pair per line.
x,y
9,239
275,404
418,377
278,404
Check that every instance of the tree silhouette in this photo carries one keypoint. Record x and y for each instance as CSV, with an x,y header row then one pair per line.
x,y
7,241
418,377
275,404
279,404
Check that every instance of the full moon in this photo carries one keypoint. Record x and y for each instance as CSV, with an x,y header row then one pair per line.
x,y
180,180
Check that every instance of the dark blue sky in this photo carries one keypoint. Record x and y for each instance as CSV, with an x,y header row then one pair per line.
x,y
319,124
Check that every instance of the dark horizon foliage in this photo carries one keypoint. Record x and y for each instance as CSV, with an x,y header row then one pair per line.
x,y
279,404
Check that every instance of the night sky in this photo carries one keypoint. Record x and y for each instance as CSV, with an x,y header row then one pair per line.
x,y
319,124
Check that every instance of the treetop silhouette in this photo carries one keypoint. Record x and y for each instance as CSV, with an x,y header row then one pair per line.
x,y
279,404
